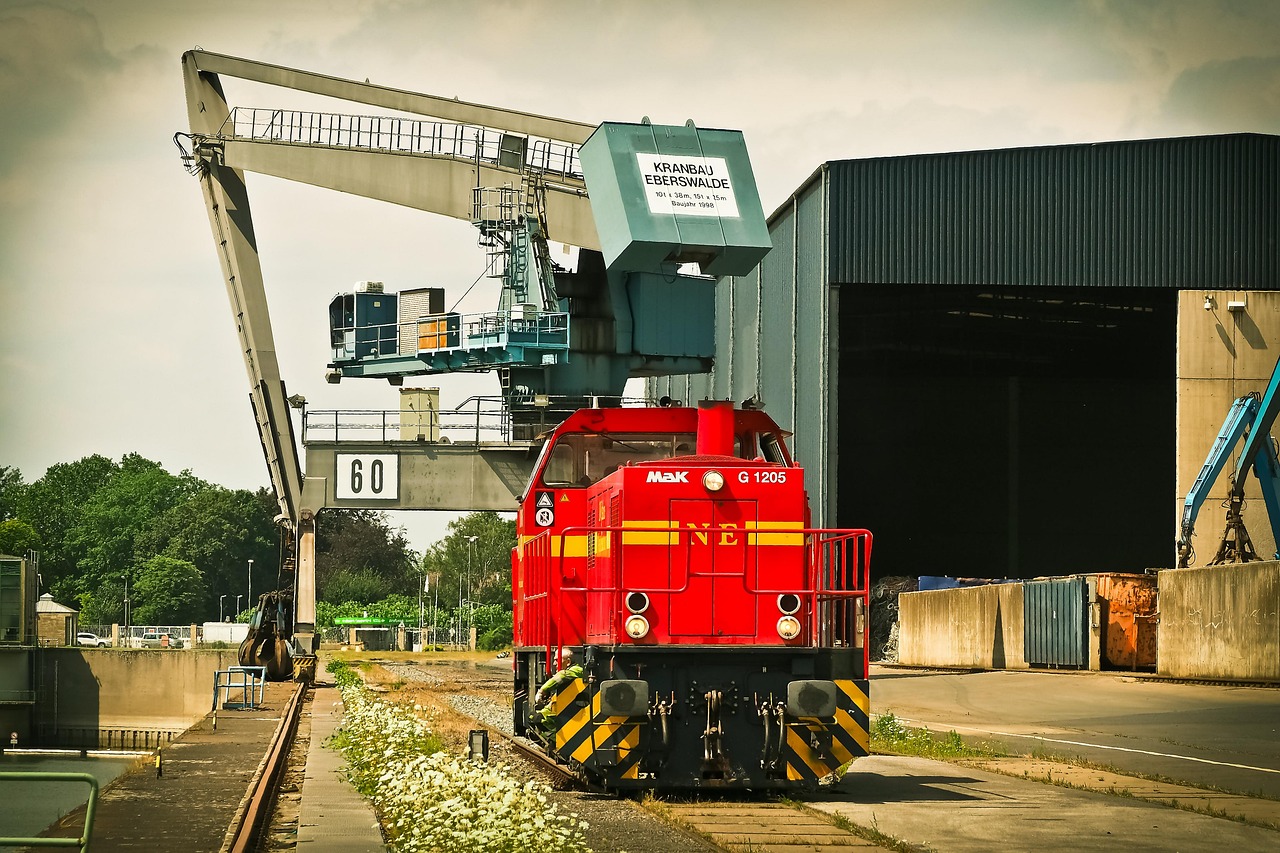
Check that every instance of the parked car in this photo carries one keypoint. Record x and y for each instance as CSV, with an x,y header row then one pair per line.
x,y
85,638
151,640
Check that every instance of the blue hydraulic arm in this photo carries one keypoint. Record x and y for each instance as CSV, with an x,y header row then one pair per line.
x,y
1256,415
1242,414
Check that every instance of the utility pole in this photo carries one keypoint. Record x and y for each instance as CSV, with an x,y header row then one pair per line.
x,y
251,581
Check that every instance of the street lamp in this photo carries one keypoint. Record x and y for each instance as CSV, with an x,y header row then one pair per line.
x,y
251,581
471,543
238,597
220,598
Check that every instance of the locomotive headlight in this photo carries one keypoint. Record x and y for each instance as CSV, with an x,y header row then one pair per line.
x,y
638,627
713,481
788,627
788,603
637,602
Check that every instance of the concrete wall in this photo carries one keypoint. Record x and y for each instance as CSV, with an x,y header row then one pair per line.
x,y
969,627
1222,355
1221,622
107,688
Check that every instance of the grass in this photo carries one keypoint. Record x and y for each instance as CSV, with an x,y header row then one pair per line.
x,y
888,734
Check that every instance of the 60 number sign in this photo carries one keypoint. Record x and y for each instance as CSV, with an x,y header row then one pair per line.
x,y
367,476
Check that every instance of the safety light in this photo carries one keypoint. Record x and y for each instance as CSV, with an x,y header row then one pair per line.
x,y
638,627
788,627
788,603
713,481
637,602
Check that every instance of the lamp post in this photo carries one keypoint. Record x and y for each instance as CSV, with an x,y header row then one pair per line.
x,y
471,544
220,600
250,596
238,597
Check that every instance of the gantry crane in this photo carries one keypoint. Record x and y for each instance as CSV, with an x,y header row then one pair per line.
x,y
687,196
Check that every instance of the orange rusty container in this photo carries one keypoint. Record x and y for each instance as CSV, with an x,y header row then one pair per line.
x,y
1128,604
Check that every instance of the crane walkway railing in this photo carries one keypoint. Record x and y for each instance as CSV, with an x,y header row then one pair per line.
x,y
423,137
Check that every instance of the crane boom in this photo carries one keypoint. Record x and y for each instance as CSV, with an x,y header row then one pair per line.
x,y
427,180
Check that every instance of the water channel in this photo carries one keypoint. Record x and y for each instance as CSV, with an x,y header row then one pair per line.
x,y
28,808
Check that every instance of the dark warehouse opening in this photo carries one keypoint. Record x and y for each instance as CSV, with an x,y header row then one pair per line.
x,y
1008,431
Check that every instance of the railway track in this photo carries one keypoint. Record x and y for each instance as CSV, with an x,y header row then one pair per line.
x,y
704,820
248,827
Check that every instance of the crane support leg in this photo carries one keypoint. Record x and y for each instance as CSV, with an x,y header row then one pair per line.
x,y
304,620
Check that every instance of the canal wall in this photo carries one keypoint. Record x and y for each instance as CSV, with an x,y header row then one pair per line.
x,y
110,697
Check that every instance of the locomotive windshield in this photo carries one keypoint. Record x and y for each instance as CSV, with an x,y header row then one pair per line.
x,y
581,459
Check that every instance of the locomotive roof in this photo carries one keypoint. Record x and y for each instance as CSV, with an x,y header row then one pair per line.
x,y
657,419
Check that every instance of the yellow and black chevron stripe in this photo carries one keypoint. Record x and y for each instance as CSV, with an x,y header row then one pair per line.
x,y
606,746
815,749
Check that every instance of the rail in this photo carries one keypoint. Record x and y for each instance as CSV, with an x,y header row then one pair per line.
x,y
420,137
91,807
252,817
464,340
475,420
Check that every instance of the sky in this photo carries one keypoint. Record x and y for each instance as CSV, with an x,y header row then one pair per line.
x,y
117,335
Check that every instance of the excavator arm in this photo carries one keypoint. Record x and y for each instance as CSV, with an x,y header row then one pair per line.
x,y
1251,417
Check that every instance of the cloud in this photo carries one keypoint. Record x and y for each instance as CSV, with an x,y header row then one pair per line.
x,y
51,59
1229,95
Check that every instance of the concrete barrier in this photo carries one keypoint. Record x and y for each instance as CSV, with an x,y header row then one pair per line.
x,y
1221,622
978,626
88,689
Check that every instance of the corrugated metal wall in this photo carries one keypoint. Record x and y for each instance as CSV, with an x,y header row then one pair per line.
x,y
1055,619
1187,212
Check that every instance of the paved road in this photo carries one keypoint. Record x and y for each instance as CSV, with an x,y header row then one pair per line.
x,y
1203,734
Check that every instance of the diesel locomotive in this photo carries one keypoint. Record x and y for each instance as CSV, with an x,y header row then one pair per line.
x,y
720,639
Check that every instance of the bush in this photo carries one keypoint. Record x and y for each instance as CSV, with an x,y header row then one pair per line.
x,y
430,800
492,641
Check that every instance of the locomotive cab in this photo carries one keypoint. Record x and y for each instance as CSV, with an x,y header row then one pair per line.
x,y
722,637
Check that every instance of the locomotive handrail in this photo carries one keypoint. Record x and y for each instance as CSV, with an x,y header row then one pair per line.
x,y
837,572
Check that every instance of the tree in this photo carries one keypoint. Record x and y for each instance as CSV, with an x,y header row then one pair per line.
x,y
363,585
218,530
481,571
359,544
54,504
17,537
118,512
10,492
167,592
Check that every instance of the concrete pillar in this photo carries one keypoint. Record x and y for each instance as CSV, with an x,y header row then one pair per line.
x,y
192,644
115,636
1228,342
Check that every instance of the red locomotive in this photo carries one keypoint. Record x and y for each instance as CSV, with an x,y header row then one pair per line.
x,y
717,639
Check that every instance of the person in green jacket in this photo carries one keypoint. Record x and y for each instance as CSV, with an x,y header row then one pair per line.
x,y
553,685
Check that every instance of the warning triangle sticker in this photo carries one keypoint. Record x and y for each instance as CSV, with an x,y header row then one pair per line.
x,y
544,499
564,499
